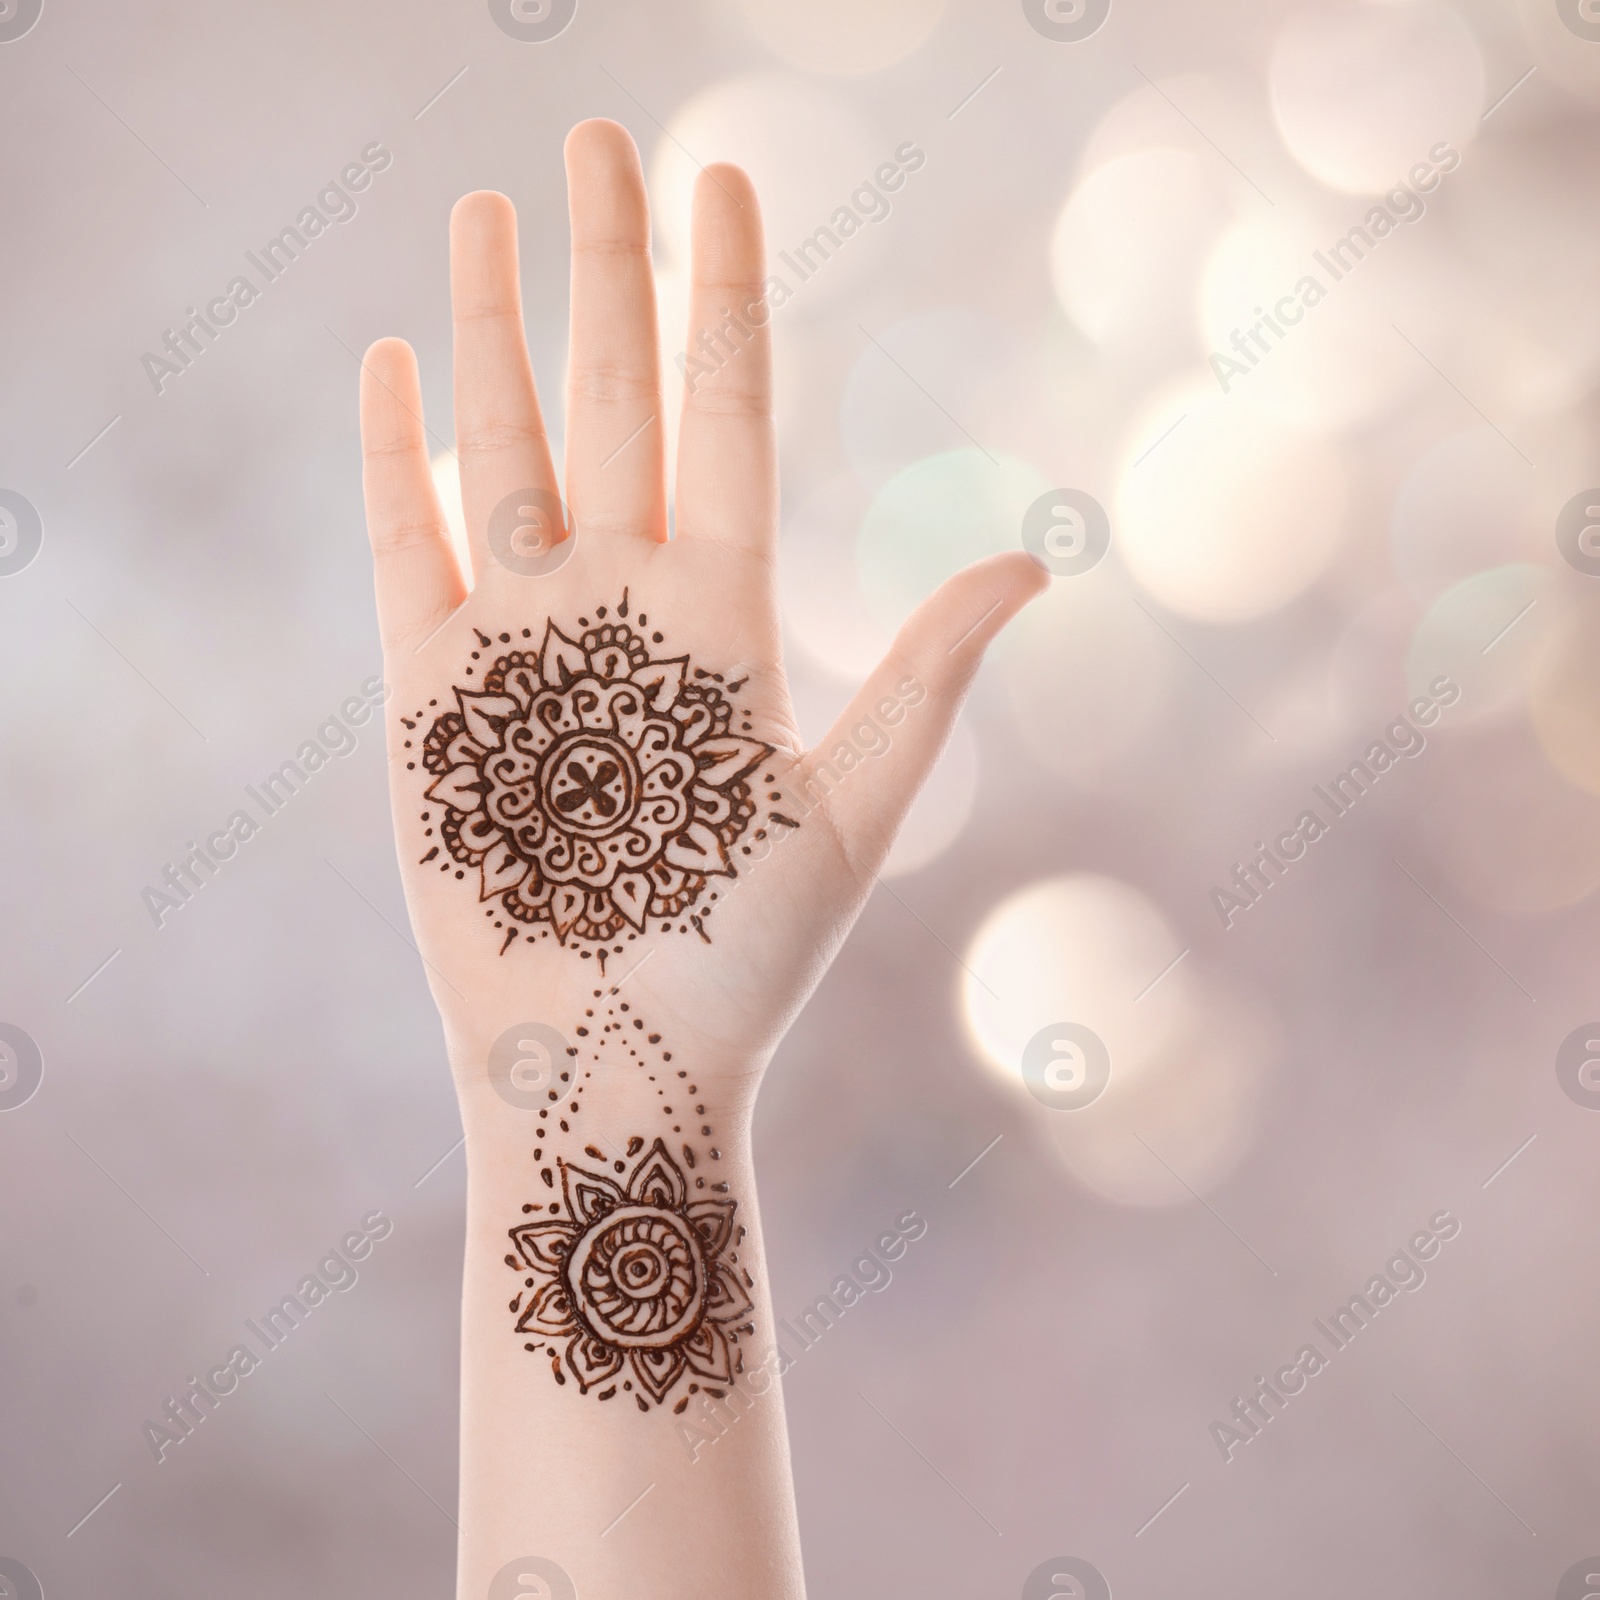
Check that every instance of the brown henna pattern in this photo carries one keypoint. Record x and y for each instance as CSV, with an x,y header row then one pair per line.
x,y
590,787
632,1279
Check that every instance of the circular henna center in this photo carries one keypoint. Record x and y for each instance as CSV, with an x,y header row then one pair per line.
x,y
590,783
641,1270
638,1278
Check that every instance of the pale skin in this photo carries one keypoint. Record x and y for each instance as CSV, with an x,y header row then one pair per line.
x,y
545,1470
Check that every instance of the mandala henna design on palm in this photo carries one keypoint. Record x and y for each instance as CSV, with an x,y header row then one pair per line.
x,y
632,1279
590,786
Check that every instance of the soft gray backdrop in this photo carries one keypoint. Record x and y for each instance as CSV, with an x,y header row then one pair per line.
x,y
1374,504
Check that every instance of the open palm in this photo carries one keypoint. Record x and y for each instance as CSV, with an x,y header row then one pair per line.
x,y
595,769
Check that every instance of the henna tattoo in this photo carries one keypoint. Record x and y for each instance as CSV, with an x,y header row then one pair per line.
x,y
591,786
632,1279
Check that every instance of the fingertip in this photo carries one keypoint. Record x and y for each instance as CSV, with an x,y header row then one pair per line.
x,y
957,623
1030,575
483,212
606,199
597,143
985,596
388,355
1018,568
726,217
390,383
723,183
729,246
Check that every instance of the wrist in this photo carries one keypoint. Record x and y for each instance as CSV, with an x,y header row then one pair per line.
x,y
540,1089
599,1064
612,1234
616,1245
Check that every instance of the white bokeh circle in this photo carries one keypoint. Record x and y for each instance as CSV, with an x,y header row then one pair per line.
x,y
1362,93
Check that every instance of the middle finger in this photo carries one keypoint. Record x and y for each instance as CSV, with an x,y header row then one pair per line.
x,y
615,452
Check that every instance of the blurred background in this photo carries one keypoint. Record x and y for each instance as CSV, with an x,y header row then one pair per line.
x,y
1305,536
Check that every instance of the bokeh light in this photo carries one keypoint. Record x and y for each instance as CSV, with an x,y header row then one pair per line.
x,y
1083,949
936,517
817,580
1521,222
1149,117
1365,682
447,485
1223,512
1362,93
842,36
806,151
1129,244
1179,1128
1187,1060
1483,635
1337,361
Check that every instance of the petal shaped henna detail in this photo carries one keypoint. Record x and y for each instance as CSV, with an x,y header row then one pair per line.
x,y
461,788
662,681
727,1301
714,1219
724,761
589,1195
545,1246
706,1351
658,1180
549,1312
502,869
561,659
698,849
657,1370
591,1361
631,894
486,716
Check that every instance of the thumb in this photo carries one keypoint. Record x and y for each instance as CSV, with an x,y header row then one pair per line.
x,y
867,771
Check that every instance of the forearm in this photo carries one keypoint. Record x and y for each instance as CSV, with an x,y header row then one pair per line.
x,y
621,1414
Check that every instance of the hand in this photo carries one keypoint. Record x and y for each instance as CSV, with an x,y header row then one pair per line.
x,y
748,857
607,824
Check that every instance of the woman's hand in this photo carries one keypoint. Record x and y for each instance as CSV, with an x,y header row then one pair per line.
x,y
761,916
625,876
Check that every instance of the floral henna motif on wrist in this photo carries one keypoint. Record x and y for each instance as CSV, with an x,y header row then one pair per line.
x,y
589,787
640,1280
632,1279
